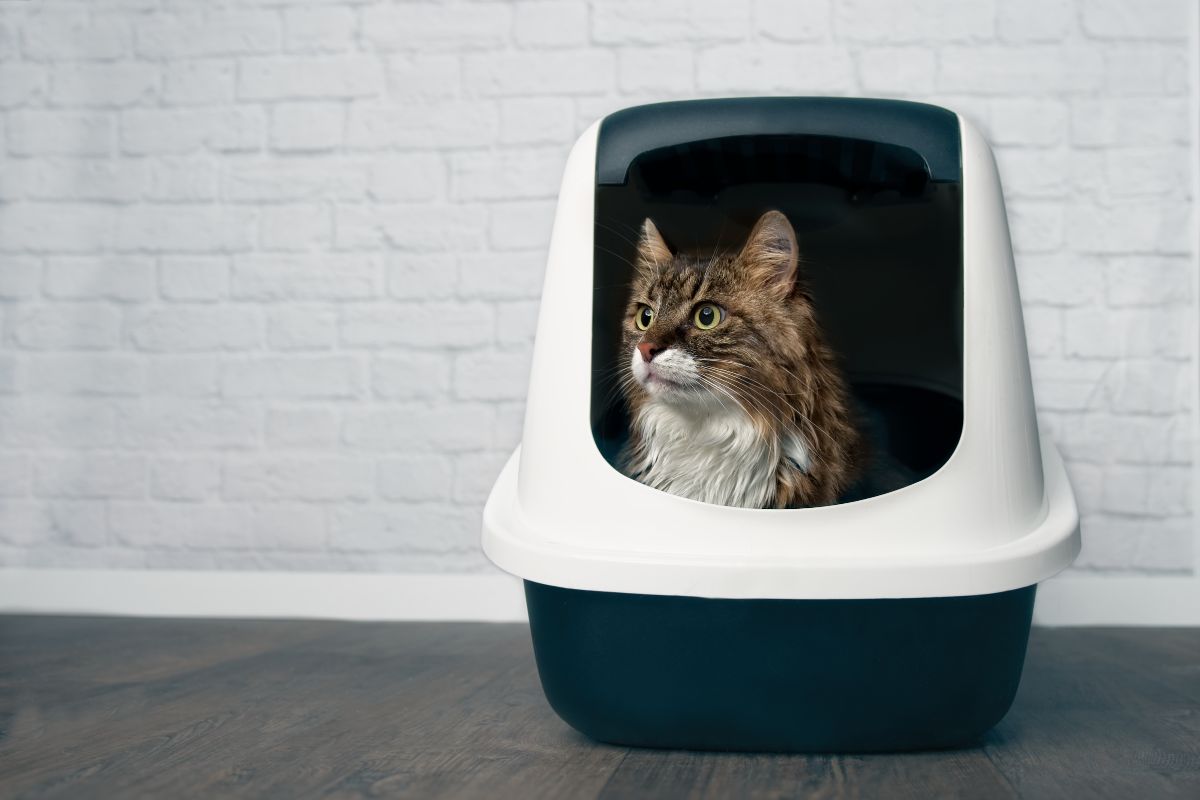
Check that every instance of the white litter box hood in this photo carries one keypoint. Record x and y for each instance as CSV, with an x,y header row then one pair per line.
x,y
999,515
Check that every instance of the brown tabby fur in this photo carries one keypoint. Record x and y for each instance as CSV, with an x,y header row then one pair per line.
x,y
768,353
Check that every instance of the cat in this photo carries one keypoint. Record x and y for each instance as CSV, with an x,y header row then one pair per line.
x,y
734,397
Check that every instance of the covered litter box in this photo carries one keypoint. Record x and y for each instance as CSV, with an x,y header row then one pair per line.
x,y
893,622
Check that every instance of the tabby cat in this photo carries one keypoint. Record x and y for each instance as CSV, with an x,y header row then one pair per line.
x,y
734,396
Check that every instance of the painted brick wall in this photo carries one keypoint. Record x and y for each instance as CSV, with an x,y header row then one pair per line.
x,y
269,270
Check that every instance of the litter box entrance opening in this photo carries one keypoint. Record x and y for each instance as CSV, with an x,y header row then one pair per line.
x,y
880,237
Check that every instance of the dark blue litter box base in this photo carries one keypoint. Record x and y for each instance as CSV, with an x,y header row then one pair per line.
x,y
779,675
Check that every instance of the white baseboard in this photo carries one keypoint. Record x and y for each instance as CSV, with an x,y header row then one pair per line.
x,y
1071,600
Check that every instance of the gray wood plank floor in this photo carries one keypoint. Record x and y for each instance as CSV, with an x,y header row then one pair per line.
x,y
93,707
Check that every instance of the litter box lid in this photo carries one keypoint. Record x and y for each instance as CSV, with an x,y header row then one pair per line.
x,y
998,515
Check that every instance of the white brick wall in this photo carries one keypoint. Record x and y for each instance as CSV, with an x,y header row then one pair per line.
x,y
269,269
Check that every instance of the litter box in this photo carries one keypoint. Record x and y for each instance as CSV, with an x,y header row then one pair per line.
x,y
893,622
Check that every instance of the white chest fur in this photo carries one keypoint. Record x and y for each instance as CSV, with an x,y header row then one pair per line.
x,y
711,453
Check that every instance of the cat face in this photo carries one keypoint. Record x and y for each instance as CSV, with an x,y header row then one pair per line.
x,y
715,329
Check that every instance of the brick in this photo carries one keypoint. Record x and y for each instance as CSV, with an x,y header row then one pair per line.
x,y
1140,171
179,424
438,125
507,174
505,276
99,475
182,376
541,24
411,376
66,326
209,81
407,176
78,179
922,21
296,179
474,475
633,22
792,20
289,527
91,374
57,422
414,227
1127,228
415,478
319,30
439,325
1061,279
187,179
516,323
897,70
1023,70
174,525
302,428
1146,69
103,85
405,529
298,478
423,76
1144,387
307,126
422,276
1109,121
817,69
492,375
1021,21
449,427
24,523
300,328
1044,331
428,26
294,377
190,479
180,329
537,120
20,84
16,475
296,227
545,72
19,277
216,32
1120,20
1032,173
122,278
520,225
148,132
1036,122
68,133
186,228
1136,333
1149,281
659,69
287,78
325,277
1037,226
193,278
75,34
80,523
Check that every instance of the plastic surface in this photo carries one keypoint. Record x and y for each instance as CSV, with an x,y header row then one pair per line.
x,y
998,515
929,130
781,675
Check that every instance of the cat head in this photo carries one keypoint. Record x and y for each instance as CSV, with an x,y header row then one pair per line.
x,y
723,328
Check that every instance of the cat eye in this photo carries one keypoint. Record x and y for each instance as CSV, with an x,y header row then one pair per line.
x,y
643,317
707,316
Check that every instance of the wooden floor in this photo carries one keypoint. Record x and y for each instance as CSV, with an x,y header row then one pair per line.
x,y
165,708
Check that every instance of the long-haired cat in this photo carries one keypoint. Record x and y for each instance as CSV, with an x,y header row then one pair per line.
x,y
734,396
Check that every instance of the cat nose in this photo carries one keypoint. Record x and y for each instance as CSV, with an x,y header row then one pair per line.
x,y
648,350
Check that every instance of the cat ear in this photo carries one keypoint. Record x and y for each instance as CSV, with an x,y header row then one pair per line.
x,y
652,250
771,252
